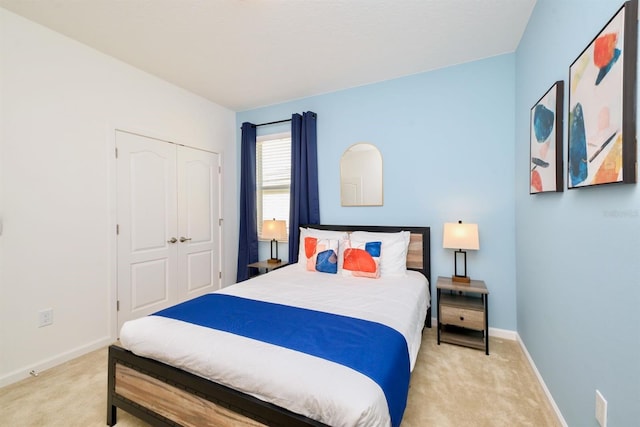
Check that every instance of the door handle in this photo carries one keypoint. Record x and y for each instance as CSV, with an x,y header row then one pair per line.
x,y
184,239
172,240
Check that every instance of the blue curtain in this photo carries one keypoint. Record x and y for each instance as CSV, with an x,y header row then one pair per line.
x,y
248,242
305,201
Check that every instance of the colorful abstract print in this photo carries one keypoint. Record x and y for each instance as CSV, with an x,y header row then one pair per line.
x,y
363,259
595,116
543,169
322,255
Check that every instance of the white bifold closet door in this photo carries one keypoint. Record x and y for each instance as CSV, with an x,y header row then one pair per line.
x,y
168,213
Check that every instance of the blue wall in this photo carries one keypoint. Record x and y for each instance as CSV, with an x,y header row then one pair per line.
x,y
578,257
446,139
455,144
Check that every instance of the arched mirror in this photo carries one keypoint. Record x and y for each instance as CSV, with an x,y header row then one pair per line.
x,y
361,176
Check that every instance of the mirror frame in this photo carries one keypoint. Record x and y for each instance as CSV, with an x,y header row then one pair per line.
x,y
375,199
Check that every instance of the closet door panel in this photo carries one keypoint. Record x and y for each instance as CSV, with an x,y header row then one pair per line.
x,y
146,211
198,222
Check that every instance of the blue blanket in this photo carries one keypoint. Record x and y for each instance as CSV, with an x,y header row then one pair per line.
x,y
370,348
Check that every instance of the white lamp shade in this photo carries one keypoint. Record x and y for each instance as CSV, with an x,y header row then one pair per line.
x,y
457,235
274,229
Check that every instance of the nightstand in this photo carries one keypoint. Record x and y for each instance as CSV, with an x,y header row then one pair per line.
x,y
266,265
463,313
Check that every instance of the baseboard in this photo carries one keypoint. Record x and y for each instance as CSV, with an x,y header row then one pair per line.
x,y
542,383
503,333
25,372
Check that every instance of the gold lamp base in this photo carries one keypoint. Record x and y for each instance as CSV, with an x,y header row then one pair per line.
x,y
461,279
273,260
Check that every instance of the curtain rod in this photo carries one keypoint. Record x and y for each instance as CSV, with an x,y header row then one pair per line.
x,y
273,123
276,122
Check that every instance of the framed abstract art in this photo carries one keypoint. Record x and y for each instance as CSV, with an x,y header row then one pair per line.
x,y
602,105
546,142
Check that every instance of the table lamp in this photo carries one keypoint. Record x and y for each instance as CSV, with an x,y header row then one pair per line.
x,y
274,229
461,237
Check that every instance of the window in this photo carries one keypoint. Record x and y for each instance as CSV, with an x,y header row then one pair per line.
x,y
273,177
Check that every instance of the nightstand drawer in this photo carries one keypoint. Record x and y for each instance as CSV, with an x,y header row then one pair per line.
x,y
472,319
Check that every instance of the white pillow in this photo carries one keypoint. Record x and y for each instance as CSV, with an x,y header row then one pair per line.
x,y
340,236
393,259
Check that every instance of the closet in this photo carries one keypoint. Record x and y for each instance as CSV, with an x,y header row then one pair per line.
x,y
168,224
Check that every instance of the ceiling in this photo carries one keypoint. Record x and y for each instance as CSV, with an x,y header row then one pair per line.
x,y
244,54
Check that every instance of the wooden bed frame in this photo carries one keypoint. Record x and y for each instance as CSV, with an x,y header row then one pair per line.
x,y
166,396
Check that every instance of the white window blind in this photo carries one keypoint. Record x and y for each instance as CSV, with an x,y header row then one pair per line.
x,y
273,177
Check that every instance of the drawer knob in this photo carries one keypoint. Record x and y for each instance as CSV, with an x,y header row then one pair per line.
x,y
461,317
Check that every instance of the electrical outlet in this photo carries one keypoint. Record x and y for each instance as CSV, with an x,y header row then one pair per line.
x,y
45,317
601,409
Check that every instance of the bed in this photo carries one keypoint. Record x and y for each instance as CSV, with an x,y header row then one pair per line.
x,y
166,372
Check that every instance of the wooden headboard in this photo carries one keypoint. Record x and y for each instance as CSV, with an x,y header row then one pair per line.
x,y
418,256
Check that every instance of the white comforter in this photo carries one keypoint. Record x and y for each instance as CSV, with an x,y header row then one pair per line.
x,y
307,385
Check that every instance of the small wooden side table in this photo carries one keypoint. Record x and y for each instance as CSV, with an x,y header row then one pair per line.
x,y
463,319
266,265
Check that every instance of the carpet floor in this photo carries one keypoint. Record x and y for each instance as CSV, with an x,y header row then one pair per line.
x,y
451,386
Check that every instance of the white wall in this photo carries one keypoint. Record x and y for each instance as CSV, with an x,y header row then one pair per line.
x,y
60,103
